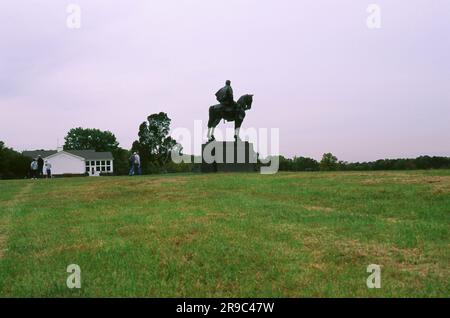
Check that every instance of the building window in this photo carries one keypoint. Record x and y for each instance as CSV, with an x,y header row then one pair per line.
x,y
87,163
98,168
103,162
98,163
108,168
108,162
92,163
87,169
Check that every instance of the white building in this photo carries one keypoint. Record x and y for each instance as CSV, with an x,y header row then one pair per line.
x,y
77,162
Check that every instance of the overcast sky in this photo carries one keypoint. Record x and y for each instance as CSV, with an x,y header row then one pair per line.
x,y
318,73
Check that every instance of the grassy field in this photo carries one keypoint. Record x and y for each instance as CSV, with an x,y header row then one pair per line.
x,y
228,235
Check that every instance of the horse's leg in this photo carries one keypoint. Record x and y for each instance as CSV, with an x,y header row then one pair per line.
x,y
237,128
237,124
236,132
211,115
211,123
214,120
210,134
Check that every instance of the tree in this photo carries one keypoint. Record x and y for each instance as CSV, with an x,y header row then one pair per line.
x,y
154,144
328,162
12,164
121,163
304,164
90,138
285,164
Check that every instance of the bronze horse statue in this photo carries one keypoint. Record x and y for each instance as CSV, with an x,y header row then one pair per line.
x,y
234,113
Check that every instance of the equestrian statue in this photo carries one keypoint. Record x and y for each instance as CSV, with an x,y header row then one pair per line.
x,y
228,110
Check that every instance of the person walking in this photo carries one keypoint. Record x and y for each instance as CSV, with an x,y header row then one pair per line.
x,y
40,163
137,163
34,169
131,161
48,169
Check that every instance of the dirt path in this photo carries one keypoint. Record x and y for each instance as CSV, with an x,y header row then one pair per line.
x,y
5,216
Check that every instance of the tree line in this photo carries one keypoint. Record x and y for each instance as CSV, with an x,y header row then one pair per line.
x,y
154,146
330,162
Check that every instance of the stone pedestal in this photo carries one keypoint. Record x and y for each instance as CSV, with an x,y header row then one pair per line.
x,y
228,156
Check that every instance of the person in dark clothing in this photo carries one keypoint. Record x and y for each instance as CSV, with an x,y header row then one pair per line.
x,y
225,95
131,160
40,171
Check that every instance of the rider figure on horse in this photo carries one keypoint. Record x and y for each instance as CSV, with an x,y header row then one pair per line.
x,y
225,96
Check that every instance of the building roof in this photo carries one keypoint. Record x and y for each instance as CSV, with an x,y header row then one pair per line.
x,y
86,154
35,153
91,154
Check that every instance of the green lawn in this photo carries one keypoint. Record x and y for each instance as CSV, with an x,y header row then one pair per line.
x,y
228,235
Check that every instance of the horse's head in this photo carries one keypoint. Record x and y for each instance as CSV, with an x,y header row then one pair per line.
x,y
246,101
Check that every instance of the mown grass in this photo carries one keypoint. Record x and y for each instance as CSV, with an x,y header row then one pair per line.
x,y
227,235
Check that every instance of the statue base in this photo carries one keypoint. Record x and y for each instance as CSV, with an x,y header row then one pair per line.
x,y
228,156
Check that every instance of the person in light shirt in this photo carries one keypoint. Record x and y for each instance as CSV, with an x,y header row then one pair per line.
x,y
137,163
48,169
